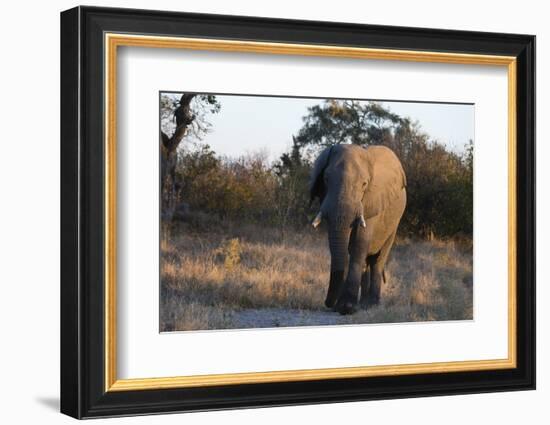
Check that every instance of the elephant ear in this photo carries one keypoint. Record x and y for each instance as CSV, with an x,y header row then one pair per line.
x,y
386,181
317,188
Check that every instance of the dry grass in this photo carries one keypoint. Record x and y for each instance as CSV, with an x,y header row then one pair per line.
x,y
210,273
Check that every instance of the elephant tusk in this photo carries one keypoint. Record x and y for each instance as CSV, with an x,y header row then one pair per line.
x,y
362,222
317,220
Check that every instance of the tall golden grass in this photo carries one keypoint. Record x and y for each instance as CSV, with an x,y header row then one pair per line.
x,y
212,272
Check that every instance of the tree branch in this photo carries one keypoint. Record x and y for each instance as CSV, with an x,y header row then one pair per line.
x,y
184,118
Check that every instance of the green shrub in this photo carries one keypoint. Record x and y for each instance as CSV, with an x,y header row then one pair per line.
x,y
249,189
241,189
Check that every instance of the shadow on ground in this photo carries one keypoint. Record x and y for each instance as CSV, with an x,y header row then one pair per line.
x,y
49,402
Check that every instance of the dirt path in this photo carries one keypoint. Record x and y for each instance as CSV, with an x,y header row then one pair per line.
x,y
279,317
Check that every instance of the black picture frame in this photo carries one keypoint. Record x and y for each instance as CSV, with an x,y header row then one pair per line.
x,y
83,392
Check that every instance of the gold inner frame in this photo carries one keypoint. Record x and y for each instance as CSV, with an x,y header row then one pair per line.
x,y
113,41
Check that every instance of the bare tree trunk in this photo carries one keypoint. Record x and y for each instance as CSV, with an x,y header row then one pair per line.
x,y
168,156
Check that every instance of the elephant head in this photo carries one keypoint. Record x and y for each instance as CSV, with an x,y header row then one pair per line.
x,y
342,180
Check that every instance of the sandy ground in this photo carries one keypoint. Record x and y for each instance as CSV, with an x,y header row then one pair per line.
x,y
282,317
278,317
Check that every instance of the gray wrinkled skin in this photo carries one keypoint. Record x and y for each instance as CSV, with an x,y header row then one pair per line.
x,y
349,181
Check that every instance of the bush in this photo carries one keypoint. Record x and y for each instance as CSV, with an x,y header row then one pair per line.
x,y
439,181
230,253
241,189
249,189
439,190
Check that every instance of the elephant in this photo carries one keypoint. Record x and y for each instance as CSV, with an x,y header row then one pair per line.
x,y
362,196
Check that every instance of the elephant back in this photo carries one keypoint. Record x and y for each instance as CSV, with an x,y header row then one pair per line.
x,y
387,180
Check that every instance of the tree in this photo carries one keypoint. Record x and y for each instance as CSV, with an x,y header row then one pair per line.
x,y
346,121
292,198
240,188
180,118
439,192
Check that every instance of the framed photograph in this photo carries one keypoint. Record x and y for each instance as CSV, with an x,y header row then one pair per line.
x,y
261,212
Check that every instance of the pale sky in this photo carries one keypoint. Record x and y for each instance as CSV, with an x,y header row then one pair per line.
x,y
248,124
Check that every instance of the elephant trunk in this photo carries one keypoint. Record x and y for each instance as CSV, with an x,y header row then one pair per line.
x,y
340,224
341,221
338,242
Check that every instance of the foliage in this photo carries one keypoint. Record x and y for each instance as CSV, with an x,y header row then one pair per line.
x,y
249,189
182,116
292,198
202,106
241,188
439,191
439,181
230,252
346,121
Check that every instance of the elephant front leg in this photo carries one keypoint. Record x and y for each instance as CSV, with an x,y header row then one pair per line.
x,y
347,303
365,284
373,297
377,272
